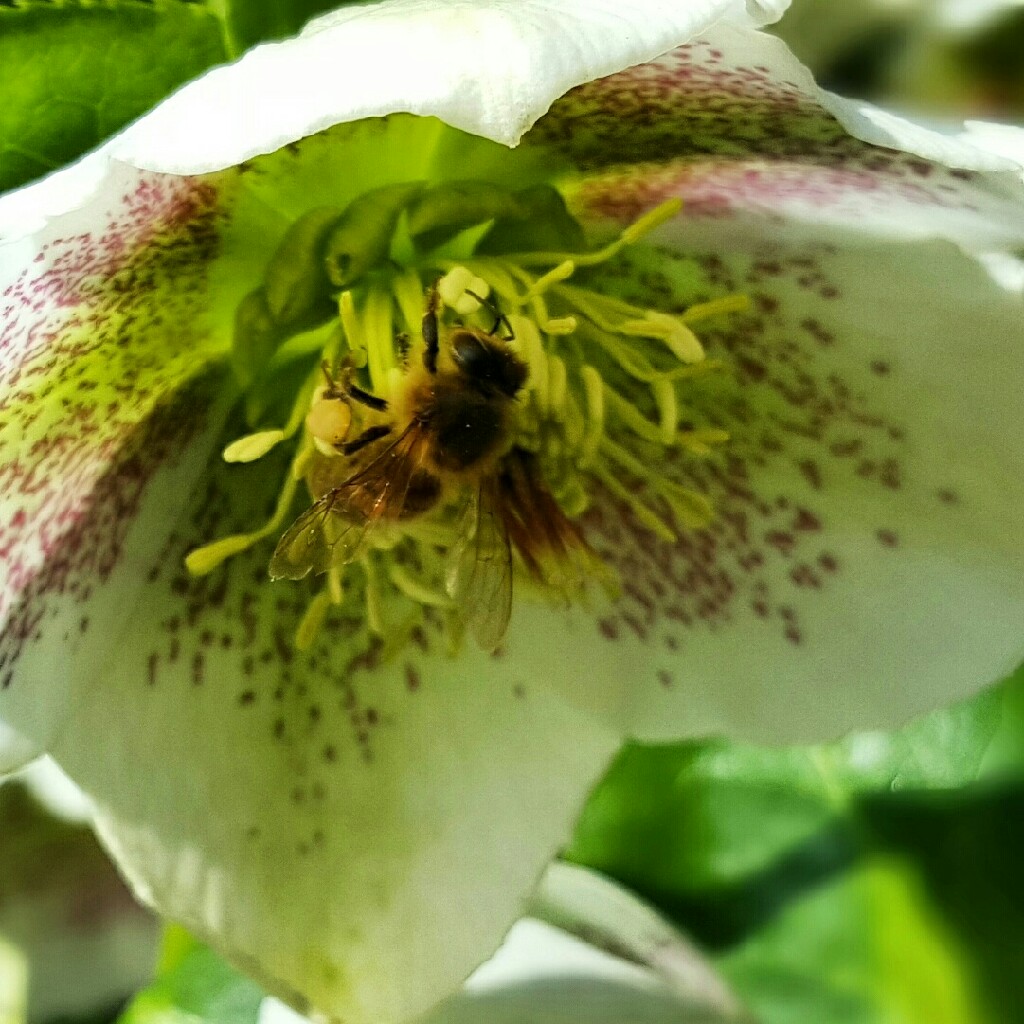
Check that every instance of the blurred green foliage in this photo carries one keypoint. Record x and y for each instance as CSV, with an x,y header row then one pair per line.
x,y
871,881
194,985
77,71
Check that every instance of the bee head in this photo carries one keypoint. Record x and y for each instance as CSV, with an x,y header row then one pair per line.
x,y
487,364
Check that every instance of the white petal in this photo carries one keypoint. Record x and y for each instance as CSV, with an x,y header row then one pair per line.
x,y
883,128
1006,140
489,68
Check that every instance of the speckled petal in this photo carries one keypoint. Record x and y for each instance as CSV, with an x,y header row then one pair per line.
x,y
359,832
866,562
107,334
736,126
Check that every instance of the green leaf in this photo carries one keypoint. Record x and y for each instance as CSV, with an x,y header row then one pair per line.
x,y
676,819
361,238
75,73
444,211
871,881
542,223
195,987
867,950
256,21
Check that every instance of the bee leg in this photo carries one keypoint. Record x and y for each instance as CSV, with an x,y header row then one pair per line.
x,y
500,319
357,394
334,388
368,436
431,336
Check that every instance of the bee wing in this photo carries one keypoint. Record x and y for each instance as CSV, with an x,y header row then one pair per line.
x,y
312,542
334,530
479,575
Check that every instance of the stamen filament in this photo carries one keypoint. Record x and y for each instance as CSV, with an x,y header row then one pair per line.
x,y
593,390
379,340
417,591
668,407
312,620
204,560
631,418
350,325
738,303
650,519
631,235
374,609
693,510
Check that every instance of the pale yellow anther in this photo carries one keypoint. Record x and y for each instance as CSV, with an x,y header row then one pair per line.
x,y
700,442
325,449
252,446
416,590
374,608
683,343
668,408
455,290
561,325
574,425
204,560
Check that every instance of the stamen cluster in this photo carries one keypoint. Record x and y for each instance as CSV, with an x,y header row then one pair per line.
x,y
602,402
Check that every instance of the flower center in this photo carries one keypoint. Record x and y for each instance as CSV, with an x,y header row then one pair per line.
x,y
458,394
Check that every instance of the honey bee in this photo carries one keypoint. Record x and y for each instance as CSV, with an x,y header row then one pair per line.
x,y
449,432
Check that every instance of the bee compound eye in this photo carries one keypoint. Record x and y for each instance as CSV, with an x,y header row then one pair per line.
x,y
468,350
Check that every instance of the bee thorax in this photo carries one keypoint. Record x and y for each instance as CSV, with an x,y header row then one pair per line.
x,y
466,430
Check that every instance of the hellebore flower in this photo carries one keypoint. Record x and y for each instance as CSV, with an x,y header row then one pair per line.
x,y
347,801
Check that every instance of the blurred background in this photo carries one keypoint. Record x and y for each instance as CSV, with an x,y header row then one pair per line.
x,y
873,881
946,59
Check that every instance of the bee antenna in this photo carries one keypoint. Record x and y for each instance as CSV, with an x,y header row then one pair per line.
x,y
334,390
501,319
